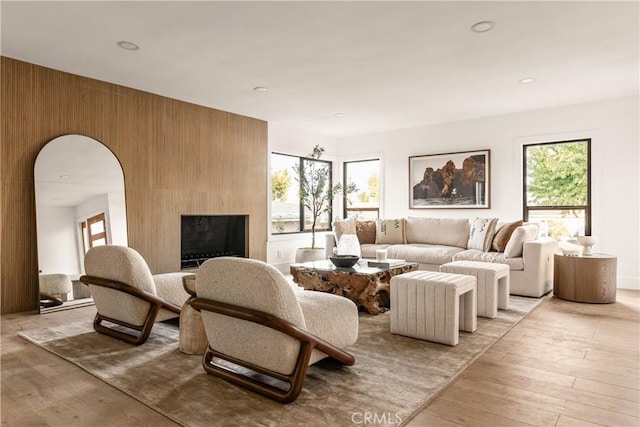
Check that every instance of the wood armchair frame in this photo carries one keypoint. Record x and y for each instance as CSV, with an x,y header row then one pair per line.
x,y
308,342
144,330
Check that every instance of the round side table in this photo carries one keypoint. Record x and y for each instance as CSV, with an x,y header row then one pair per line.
x,y
589,278
193,338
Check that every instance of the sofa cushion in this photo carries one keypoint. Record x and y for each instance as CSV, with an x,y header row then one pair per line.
x,y
423,253
495,257
503,234
366,231
522,234
481,233
369,251
438,231
390,231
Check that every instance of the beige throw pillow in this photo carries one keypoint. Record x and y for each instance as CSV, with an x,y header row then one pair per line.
x,y
522,234
390,231
503,234
481,233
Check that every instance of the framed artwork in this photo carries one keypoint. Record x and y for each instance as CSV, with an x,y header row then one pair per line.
x,y
450,180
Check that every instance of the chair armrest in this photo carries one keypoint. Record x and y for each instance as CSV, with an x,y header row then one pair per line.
x,y
273,322
128,289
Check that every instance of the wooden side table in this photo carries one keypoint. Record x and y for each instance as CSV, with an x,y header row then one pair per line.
x,y
589,278
193,338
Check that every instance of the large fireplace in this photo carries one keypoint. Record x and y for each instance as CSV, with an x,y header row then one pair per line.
x,y
211,236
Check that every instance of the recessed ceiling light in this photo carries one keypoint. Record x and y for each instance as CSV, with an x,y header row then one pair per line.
x,y
482,26
127,45
339,115
64,176
261,89
526,81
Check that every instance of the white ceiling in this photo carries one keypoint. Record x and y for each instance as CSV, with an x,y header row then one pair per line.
x,y
385,65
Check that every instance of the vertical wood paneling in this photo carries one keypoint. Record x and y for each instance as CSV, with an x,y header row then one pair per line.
x,y
178,158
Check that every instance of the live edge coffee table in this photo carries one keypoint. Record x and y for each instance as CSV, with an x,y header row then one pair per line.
x,y
368,287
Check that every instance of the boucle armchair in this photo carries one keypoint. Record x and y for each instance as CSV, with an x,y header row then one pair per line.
x,y
254,319
54,288
126,294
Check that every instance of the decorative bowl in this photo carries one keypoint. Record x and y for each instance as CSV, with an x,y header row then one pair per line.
x,y
344,261
587,242
571,252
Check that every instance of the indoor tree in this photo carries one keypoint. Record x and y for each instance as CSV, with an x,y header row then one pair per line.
x,y
316,191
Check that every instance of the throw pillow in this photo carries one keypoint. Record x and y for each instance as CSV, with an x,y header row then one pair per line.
x,y
344,226
390,231
503,234
366,231
522,234
481,233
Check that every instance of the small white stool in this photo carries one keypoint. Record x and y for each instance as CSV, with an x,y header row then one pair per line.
x,y
492,281
433,306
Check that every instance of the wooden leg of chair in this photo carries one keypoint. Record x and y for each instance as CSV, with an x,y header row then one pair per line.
x,y
137,339
295,380
54,300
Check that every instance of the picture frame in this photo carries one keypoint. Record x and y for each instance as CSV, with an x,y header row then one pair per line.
x,y
459,180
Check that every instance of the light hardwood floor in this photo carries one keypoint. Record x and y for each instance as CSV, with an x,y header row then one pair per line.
x,y
565,364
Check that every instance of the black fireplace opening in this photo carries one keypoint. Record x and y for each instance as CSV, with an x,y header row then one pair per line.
x,y
210,236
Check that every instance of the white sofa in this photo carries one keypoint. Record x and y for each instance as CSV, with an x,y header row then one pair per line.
x,y
432,242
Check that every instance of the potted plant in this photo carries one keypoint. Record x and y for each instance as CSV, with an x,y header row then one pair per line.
x,y
316,194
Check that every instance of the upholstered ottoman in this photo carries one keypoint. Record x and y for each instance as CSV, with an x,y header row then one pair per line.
x,y
433,306
492,284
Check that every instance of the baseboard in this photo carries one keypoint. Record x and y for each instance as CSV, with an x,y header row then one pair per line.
x,y
629,283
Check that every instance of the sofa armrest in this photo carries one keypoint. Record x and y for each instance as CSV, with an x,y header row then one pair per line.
x,y
537,257
329,244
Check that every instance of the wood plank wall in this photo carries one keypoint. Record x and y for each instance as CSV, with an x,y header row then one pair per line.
x,y
178,158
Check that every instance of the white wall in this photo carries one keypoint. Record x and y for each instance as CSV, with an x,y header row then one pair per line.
x,y
57,248
118,218
59,240
613,126
281,249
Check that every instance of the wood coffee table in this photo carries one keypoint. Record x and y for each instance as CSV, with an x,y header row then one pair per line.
x,y
368,287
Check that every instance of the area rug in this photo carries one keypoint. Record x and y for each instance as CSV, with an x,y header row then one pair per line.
x,y
393,377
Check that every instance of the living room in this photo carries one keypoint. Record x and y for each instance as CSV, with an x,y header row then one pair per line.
x,y
194,157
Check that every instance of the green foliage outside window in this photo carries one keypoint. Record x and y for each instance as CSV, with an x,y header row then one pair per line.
x,y
557,188
280,184
557,174
373,186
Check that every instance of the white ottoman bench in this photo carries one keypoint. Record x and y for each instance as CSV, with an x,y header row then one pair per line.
x,y
492,284
433,306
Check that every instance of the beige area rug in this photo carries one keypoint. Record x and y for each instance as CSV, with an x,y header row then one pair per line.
x,y
393,377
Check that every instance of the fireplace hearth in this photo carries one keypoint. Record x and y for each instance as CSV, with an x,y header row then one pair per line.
x,y
210,236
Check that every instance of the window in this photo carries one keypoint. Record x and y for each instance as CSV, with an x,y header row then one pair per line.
x,y
557,187
94,232
288,213
364,203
